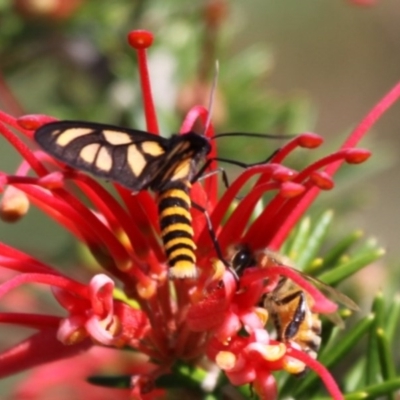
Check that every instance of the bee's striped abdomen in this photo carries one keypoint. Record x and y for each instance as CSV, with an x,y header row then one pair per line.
x,y
176,230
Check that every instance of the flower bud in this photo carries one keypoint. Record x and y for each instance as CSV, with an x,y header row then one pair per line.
x,y
14,205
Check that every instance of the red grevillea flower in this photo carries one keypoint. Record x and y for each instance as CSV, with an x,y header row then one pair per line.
x,y
163,321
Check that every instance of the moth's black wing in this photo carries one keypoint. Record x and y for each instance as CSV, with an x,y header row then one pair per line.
x,y
130,157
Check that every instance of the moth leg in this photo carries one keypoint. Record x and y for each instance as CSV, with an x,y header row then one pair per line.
x,y
214,172
201,175
212,234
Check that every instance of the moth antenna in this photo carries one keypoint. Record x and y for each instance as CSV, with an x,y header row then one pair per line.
x,y
212,96
255,135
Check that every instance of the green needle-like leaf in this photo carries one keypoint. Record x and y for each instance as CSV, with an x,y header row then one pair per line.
x,y
392,323
315,240
300,239
347,269
355,378
386,358
368,245
348,342
333,256
378,308
374,391
373,371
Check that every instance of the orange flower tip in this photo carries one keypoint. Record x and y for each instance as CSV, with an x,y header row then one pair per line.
x,y
75,337
283,174
293,366
114,328
357,156
124,265
274,352
124,239
262,314
140,39
310,140
146,290
219,269
291,189
182,271
14,205
225,360
53,180
322,180
34,121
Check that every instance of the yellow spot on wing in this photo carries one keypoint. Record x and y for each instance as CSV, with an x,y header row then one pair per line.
x,y
104,160
152,148
69,135
89,152
182,171
117,138
135,160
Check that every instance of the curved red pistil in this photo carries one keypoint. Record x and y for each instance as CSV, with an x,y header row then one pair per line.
x,y
352,156
322,180
31,122
358,133
307,140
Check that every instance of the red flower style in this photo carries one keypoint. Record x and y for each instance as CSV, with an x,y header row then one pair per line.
x,y
164,321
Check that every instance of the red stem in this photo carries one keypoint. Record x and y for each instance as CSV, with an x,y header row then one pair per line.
x,y
48,279
36,321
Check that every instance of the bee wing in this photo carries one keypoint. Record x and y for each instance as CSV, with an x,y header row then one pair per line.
x,y
336,319
332,293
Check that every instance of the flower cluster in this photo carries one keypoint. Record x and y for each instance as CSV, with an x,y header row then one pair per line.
x,y
133,305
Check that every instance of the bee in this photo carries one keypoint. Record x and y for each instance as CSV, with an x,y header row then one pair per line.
x,y
288,305
139,160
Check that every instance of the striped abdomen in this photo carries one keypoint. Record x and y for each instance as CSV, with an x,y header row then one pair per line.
x,y
176,230
290,309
